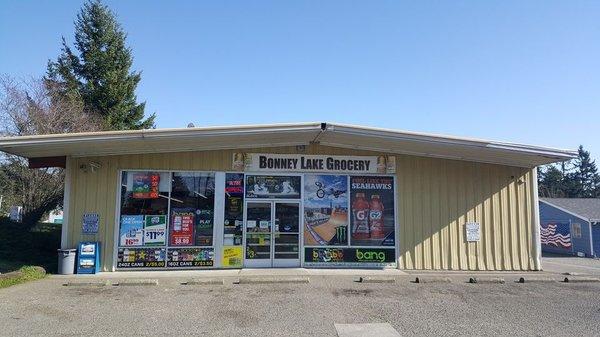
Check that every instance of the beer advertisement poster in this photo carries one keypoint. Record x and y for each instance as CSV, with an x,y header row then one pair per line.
x,y
145,185
190,257
155,230
181,229
273,187
372,208
325,210
131,232
141,257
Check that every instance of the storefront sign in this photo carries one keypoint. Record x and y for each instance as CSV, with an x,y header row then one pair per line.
x,y
155,228
181,231
348,257
232,256
141,257
131,232
90,223
263,162
190,257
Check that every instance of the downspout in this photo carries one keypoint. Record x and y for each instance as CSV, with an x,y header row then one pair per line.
x,y
537,243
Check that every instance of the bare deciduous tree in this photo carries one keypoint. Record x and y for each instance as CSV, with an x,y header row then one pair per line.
x,y
32,108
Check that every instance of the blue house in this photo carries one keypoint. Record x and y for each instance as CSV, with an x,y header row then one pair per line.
x,y
570,226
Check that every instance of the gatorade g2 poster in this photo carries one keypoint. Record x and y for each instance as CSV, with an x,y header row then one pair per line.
x,y
325,210
141,257
181,229
372,207
191,257
145,185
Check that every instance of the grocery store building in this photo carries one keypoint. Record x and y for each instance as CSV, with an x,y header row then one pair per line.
x,y
296,195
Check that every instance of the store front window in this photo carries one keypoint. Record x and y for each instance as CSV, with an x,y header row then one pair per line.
x,y
166,219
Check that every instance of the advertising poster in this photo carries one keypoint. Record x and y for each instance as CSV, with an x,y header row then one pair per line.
x,y
190,257
141,257
232,257
372,207
145,185
90,223
234,209
181,230
204,227
273,187
556,237
349,257
131,232
155,230
325,210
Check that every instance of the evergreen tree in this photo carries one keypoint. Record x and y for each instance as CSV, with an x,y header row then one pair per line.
x,y
99,74
577,178
585,179
551,182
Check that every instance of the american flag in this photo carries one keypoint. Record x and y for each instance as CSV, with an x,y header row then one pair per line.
x,y
557,235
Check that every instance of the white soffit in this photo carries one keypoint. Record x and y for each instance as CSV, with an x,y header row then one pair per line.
x,y
274,135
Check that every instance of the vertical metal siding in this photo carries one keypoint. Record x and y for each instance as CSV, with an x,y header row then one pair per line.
x,y
435,198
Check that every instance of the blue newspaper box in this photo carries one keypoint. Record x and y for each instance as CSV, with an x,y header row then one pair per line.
x,y
88,258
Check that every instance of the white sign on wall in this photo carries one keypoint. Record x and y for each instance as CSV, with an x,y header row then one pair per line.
x,y
270,162
472,229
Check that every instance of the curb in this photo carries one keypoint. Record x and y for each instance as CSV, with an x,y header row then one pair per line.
x,y
580,279
87,284
203,282
136,283
488,280
272,280
374,279
536,280
432,280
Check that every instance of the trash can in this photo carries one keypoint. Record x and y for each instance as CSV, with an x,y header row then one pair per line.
x,y
66,261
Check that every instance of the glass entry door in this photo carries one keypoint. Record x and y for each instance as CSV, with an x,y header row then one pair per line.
x,y
272,234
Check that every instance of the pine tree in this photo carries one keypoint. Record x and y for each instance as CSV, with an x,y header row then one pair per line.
x,y
551,182
586,180
99,74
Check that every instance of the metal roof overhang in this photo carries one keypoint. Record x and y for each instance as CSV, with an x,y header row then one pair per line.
x,y
274,135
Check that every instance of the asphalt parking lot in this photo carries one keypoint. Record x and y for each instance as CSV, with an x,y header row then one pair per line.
x,y
48,308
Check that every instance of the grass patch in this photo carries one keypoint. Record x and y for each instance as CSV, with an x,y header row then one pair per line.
x,y
22,247
24,274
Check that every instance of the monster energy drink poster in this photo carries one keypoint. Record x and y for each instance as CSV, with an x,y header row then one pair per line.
x,y
372,207
325,210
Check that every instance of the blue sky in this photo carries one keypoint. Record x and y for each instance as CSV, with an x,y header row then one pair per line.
x,y
508,70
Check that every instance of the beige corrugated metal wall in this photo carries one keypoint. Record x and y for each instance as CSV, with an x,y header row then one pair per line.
x,y
435,198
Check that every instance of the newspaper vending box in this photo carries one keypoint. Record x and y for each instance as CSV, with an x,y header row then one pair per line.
x,y
88,258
